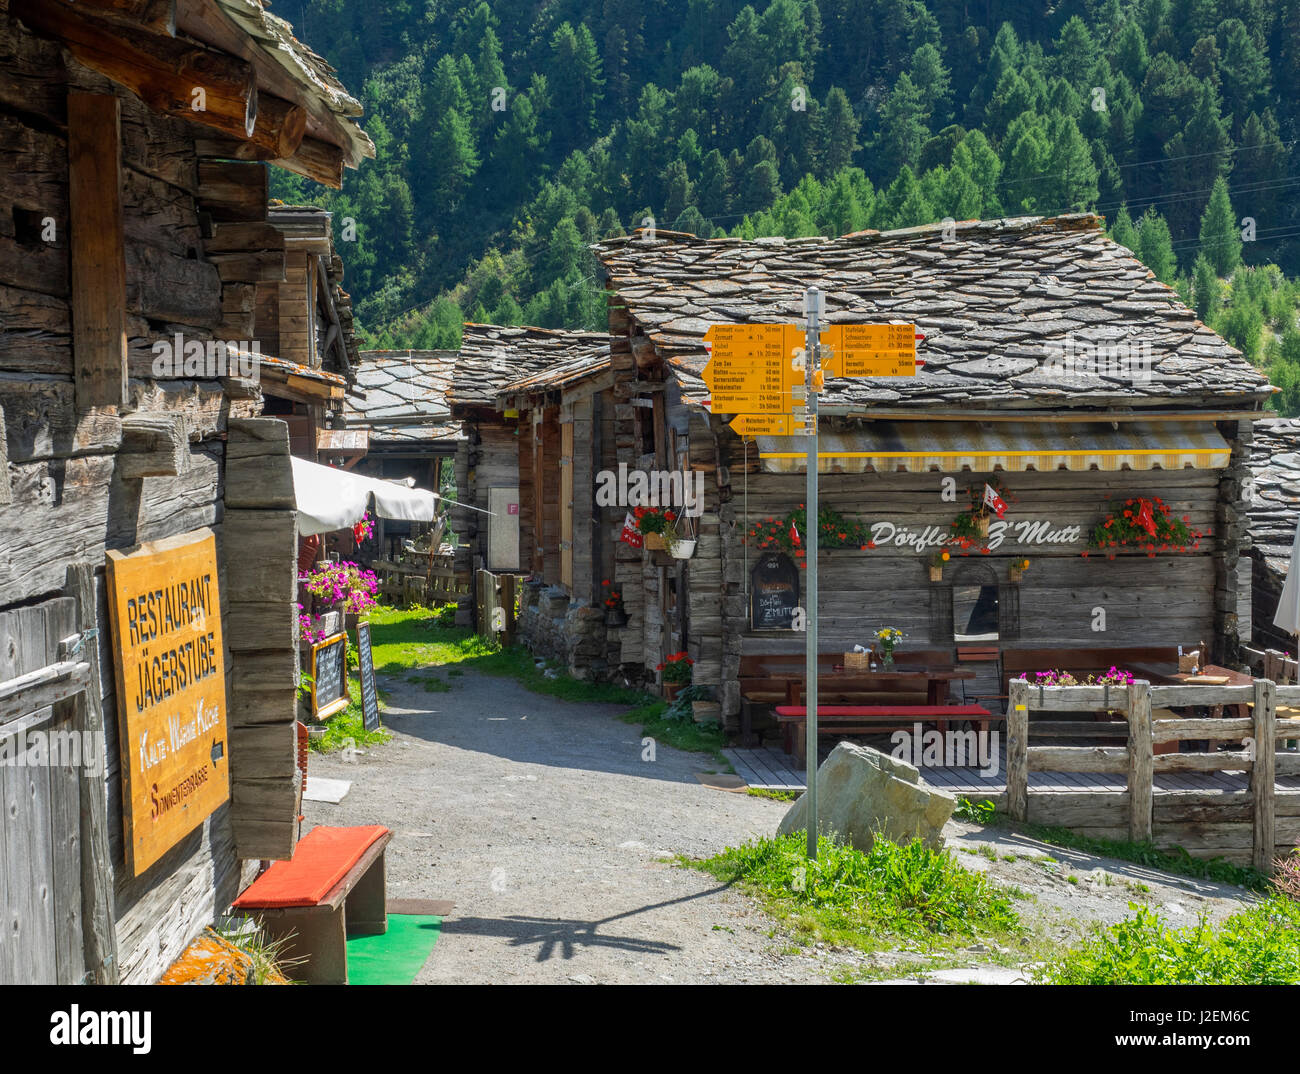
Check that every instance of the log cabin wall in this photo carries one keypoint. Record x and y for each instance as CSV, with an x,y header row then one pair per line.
x,y
70,497
119,230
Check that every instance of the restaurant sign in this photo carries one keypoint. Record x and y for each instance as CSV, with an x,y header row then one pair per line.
x,y
1030,531
169,666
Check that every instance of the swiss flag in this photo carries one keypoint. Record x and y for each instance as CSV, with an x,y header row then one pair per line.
x,y
630,533
1146,519
993,500
794,536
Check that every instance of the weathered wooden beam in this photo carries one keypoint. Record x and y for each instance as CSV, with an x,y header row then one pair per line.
x,y
98,248
1141,781
172,76
230,237
322,161
1017,750
98,921
153,445
1263,775
157,16
233,190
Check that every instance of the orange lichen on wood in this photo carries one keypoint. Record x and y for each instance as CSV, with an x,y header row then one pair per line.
x,y
211,960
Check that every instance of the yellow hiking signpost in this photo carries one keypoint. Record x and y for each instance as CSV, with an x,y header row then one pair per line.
x,y
870,350
749,369
755,373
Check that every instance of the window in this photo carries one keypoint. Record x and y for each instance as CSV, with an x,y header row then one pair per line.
x,y
975,606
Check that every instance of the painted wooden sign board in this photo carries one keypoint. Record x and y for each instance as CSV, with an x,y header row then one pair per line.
x,y
329,674
168,660
369,692
774,594
870,350
750,367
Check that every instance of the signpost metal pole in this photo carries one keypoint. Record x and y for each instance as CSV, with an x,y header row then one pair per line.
x,y
812,303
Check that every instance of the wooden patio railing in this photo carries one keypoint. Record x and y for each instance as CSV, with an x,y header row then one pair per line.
x,y
1215,819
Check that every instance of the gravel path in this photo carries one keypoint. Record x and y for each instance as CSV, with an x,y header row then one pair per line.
x,y
542,821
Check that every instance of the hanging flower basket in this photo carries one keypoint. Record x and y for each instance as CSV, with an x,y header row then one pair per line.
x,y
1145,525
615,617
656,542
683,548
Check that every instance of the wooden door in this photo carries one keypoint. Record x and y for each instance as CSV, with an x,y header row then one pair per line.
x,y
40,811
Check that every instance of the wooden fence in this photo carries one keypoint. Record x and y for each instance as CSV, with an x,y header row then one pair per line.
x,y
420,578
494,605
1249,825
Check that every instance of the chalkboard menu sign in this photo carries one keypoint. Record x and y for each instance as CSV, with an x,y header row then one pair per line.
x,y
774,592
329,673
369,695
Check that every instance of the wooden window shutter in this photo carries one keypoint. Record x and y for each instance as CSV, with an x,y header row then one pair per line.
x,y
566,505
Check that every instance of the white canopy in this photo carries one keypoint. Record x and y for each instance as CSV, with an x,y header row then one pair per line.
x,y
330,499
1288,607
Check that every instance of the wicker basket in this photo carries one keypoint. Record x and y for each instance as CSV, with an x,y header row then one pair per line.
x,y
858,661
655,542
982,524
936,574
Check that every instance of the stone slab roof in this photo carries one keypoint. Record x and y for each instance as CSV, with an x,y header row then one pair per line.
x,y
495,359
401,396
1275,496
999,303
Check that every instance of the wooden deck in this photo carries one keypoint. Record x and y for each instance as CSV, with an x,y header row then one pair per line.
x,y
769,768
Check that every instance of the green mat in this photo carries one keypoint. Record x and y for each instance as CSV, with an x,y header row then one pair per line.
x,y
398,955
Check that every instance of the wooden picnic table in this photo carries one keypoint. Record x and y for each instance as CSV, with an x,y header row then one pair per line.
x,y
1169,675
865,681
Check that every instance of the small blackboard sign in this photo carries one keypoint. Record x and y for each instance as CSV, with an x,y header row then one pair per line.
x,y
774,592
369,694
329,673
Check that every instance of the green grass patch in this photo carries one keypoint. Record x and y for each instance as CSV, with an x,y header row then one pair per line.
x,y
688,735
1174,860
975,812
852,898
1260,946
778,796
347,728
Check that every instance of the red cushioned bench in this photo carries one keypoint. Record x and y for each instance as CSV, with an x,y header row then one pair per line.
x,y
871,719
334,885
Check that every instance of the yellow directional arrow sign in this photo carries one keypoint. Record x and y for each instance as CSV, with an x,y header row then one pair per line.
x,y
752,425
870,350
749,371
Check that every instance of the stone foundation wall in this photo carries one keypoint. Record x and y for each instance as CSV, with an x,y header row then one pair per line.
x,y
572,633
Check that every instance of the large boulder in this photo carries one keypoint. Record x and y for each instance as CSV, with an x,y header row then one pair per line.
x,y
862,793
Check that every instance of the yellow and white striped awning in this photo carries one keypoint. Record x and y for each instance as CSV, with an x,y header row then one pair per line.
x,y
1014,446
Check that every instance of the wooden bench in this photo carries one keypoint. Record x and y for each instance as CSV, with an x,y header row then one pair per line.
x,y
871,719
334,885
768,679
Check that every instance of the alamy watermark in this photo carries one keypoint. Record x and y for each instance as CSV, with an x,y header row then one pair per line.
x,y
210,359
651,488
52,749
949,749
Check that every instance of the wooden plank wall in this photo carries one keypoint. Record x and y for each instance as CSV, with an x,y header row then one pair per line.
x,y
40,833
69,502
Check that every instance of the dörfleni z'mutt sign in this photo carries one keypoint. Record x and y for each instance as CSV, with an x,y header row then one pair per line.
x,y
171,690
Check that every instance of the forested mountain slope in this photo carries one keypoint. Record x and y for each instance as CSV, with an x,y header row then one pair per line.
x,y
511,134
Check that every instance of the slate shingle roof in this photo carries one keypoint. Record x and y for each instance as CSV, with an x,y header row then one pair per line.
x,y
991,301
1275,498
496,358
402,396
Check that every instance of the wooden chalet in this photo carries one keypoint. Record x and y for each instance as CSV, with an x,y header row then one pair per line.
x,y
1055,365
396,424
136,226
539,419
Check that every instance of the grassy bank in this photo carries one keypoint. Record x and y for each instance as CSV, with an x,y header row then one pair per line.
x,y
867,900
